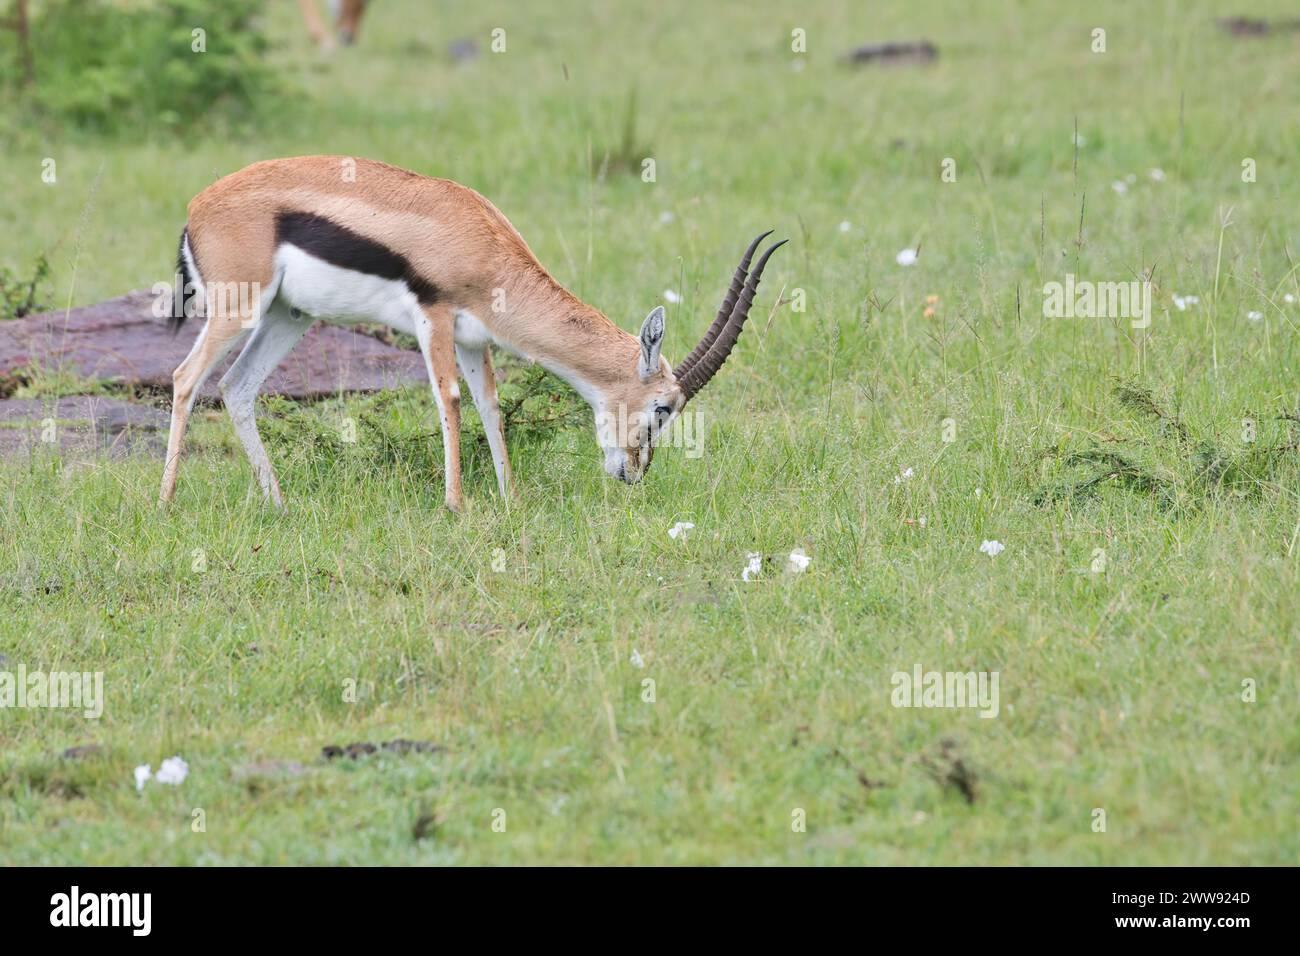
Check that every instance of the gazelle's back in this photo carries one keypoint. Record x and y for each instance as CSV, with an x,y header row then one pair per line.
x,y
449,234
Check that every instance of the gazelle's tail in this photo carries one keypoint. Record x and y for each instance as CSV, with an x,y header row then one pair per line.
x,y
188,285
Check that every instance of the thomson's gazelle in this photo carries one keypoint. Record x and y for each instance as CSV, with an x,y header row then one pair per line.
x,y
344,240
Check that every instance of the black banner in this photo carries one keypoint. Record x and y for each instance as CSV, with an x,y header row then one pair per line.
x,y
961,906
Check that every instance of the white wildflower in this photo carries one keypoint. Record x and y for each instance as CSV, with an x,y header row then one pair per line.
x,y
845,226
906,257
1157,174
1119,186
142,775
903,475
798,561
681,529
637,662
992,548
173,771
754,566
1254,316
671,297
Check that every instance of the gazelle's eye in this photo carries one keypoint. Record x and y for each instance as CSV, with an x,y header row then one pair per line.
x,y
662,414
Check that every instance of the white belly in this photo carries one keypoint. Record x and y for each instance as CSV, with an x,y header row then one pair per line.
x,y
469,331
334,294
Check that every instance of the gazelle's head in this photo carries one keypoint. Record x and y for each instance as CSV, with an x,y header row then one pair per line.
x,y
632,420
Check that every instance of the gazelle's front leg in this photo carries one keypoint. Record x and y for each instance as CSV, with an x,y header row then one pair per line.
x,y
476,366
434,328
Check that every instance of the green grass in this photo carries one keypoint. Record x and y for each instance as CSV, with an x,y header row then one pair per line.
x,y
1120,689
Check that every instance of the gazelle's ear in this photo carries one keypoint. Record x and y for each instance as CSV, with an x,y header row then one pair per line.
x,y
652,339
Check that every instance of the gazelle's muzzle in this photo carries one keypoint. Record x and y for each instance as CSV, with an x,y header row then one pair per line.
x,y
705,359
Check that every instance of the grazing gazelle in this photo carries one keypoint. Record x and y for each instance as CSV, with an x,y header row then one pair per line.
x,y
347,21
348,240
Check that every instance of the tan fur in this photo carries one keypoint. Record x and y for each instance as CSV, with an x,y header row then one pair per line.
x,y
440,350
349,20
214,343
451,236
348,23
315,25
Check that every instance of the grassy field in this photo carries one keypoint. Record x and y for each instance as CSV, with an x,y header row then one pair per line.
x,y
1152,551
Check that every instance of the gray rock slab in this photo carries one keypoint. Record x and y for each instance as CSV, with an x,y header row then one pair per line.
x,y
88,425
121,341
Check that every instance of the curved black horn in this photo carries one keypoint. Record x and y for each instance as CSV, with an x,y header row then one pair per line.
x,y
699,374
724,313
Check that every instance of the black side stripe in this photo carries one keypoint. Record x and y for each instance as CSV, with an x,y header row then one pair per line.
x,y
340,246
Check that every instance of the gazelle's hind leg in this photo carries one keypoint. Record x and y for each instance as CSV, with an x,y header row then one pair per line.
x,y
476,366
435,330
274,338
219,336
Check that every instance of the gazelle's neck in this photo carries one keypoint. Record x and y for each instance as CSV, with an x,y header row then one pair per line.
x,y
546,323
